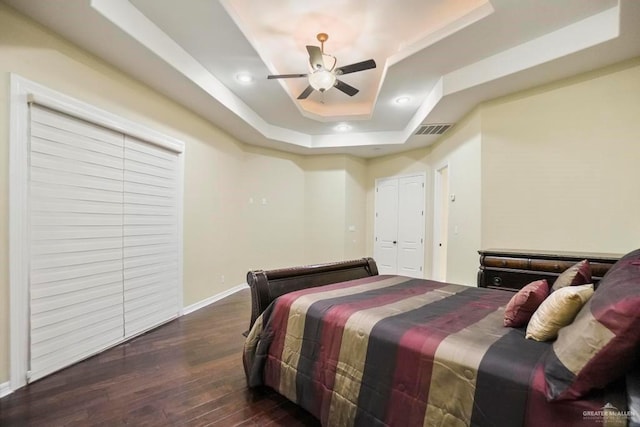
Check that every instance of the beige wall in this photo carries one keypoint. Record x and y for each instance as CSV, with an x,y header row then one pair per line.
x,y
335,201
224,233
460,150
324,213
355,208
273,207
553,168
561,165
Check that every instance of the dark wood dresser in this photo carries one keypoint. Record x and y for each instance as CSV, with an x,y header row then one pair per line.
x,y
510,269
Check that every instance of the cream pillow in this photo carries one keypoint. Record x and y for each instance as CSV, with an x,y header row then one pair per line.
x,y
557,311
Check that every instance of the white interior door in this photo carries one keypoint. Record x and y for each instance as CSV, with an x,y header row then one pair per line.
x,y
399,225
385,250
411,226
441,224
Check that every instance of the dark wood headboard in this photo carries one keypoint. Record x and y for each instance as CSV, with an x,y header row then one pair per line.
x,y
511,269
268,285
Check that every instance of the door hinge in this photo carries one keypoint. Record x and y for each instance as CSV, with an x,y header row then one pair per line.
x,y
376,239
423,185
421,241
422,213
420,268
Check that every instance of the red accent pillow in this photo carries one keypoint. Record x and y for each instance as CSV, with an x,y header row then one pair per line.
x,y
524,303
603,341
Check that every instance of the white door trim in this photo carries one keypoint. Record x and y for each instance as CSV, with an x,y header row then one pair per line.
x,y
18,232
23,91
437,214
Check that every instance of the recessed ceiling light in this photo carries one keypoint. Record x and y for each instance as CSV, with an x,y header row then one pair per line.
x,y
244,78
402,100
342,127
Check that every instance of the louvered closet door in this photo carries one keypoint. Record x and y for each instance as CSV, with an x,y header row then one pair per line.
x,y
76,223
150,236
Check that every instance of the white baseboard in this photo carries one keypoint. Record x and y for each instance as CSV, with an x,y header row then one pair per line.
x,y
217,297
5,389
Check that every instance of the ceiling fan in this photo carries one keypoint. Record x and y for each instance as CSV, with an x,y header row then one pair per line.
x,y
321,77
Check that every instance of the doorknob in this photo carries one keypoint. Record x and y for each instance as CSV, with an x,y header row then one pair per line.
x,y
394,242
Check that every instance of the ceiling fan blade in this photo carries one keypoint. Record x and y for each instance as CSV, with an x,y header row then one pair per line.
x,y
348,89
358,66
286,76
315,57
305,93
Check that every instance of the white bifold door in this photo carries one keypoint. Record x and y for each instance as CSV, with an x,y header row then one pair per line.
x,y
399,225
103,239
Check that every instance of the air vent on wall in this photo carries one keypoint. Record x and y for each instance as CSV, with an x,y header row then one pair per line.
x,y
433,129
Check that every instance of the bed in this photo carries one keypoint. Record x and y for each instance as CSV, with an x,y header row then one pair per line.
x,y
356,348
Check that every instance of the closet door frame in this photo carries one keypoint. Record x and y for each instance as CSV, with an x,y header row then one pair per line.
x,y
23,92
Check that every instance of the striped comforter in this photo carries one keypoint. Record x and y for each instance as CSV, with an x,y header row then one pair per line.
x,y
390,350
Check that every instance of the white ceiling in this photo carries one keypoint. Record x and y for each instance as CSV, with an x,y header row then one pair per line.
x,y
446,55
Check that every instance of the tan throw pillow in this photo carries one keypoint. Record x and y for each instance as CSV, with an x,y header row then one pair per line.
x,y
557,311
577,274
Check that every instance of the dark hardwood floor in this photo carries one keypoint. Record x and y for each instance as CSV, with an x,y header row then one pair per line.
x,y
185,373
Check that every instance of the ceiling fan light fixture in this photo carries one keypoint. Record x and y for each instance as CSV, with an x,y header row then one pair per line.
x,y
322,80
322,77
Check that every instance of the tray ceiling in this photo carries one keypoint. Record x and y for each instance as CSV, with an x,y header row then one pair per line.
x,y
441,57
